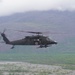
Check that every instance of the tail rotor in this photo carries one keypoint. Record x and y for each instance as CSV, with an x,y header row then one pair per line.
x,y
1,33
4,30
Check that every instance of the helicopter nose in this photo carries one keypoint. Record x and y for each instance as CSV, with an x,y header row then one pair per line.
x,y
55,42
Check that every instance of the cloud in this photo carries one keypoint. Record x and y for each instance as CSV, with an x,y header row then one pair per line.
x,y
13,6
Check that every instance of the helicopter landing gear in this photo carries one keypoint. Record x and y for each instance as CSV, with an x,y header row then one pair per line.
x,y
12,46
41,46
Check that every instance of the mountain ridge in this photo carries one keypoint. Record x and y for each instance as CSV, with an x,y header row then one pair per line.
x,y
40,17
59,20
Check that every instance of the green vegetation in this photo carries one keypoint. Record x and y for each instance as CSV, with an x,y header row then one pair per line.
x,y
17,68
51,59
68,66
61,54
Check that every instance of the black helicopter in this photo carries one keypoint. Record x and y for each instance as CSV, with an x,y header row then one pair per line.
x,y
38,39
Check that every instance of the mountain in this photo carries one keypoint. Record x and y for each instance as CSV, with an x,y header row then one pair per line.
x,y
63,21
54,17
51,20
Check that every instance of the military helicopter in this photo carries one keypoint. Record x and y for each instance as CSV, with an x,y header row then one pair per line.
x,y
38,39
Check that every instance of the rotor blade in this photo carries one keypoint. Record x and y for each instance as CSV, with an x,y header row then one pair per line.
x,y
4,30
56,33
29,31
47,32
34,32
17,30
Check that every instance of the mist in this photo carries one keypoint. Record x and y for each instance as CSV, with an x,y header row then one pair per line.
x,y
8,7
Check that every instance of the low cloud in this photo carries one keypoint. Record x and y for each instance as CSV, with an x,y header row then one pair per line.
x,y
8,7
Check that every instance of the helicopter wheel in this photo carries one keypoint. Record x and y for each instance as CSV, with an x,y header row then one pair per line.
x,y
46,46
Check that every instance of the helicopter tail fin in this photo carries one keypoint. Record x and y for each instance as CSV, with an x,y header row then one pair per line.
x,y
5,38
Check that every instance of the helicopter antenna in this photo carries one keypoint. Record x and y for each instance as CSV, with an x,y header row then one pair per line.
x,y
33,32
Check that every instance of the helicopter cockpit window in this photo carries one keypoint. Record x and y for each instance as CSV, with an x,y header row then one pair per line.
x,y
47,39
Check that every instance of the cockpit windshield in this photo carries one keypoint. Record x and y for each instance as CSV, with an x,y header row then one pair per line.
x,y
48,39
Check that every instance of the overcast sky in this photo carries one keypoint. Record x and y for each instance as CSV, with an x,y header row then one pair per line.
x,y
8,7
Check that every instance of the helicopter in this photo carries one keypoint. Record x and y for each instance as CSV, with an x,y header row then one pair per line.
x,y
38,39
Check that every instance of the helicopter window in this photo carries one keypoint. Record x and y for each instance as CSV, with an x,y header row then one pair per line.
x,y
36,39
47,39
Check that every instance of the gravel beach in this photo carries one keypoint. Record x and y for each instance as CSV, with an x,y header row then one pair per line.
x,y
24,68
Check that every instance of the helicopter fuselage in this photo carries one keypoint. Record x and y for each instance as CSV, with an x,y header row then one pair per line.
x,y
30,40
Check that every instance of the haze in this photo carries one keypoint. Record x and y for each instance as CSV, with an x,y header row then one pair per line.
x,y
8,7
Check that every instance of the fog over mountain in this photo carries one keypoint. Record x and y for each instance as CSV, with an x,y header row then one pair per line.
x,y
40,17
8,7
62,19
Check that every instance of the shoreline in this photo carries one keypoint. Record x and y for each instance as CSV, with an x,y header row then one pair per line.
x,y
25,68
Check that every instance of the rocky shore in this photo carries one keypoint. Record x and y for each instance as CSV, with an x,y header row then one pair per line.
x,y
24,68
